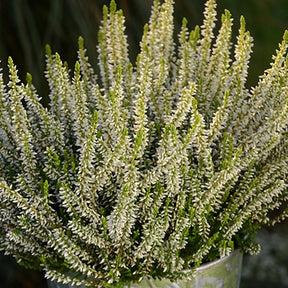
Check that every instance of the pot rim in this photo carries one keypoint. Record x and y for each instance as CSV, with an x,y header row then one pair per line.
x,y
217,261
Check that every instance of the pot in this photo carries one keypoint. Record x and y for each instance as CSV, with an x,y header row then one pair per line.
x,y
222,273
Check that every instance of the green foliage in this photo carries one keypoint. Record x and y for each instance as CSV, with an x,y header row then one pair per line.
x,y
146,170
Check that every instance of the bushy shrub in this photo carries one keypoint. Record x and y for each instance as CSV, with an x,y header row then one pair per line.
x,y
145,169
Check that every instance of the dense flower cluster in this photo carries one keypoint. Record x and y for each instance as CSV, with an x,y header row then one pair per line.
x,y
148,169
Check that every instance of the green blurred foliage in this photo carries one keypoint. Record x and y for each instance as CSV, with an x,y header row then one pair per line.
x,y
267,21
27,25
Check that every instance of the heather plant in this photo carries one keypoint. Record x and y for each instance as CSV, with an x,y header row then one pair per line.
x,y
147,169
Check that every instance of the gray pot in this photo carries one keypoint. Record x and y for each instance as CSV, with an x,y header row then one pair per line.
x,y
222,273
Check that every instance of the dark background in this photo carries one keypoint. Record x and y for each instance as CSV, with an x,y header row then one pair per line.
x,y
27,25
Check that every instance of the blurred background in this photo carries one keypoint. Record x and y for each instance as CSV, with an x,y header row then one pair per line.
x,y
26,26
